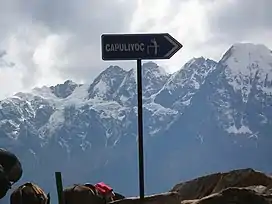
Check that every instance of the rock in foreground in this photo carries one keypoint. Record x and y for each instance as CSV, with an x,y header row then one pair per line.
x,y
242,186
232,195
163,198
238,186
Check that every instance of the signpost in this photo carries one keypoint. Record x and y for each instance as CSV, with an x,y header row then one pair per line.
x,y
59,187
139,47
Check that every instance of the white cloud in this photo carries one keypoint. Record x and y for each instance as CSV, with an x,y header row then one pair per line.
x,y
54,40
36,53
185,21
10,77
48,56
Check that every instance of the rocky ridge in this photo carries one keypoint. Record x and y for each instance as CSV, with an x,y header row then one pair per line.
x,y
207,117
241,186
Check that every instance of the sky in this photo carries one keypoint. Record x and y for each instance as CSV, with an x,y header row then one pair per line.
x,y
45,42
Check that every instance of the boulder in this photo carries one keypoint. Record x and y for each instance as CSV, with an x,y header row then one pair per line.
x,y
215,183
163,198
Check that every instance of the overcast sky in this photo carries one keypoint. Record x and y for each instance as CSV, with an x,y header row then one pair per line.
x,y
53,40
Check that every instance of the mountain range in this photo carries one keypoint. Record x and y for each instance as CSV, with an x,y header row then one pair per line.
x,y
208,116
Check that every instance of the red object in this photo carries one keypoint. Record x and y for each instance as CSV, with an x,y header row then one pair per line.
x,y
103,188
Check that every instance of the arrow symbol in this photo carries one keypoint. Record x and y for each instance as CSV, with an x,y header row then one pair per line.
x,y
176,46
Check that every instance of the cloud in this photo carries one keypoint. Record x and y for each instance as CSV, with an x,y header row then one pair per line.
x,y
240,21
10,76
54,40
236,19
185,20
84,21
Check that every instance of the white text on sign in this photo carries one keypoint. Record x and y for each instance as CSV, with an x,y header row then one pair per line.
x,y
125,47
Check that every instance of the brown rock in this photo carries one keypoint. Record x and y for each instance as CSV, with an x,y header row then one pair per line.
x,y
164,198
242,186
214,183
197,188
231,196
242,178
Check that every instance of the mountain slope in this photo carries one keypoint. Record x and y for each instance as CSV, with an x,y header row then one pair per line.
x,y
223,128
208,116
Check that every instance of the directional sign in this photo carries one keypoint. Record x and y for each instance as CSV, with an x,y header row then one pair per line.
x,y
138,46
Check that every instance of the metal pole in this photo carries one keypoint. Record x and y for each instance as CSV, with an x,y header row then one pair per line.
x,y
140,129
59,186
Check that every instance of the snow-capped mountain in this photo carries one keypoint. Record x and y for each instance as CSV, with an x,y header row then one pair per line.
x,y
178,91
208,116
228,122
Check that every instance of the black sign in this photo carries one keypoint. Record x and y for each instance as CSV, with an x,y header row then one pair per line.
x,y
138,46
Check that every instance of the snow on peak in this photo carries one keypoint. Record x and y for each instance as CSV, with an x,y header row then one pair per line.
x,y
64,90
154,68
194,71
112,70
180,87
107,83
246,53
194,60
245,63
250,47
44,92
70,82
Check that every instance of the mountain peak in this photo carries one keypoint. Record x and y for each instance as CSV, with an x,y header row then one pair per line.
x,y
150,64
154,68
112,69
64,90
190,77
247,64
107,83
247,58
197,61
69,82
249,46
247,52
